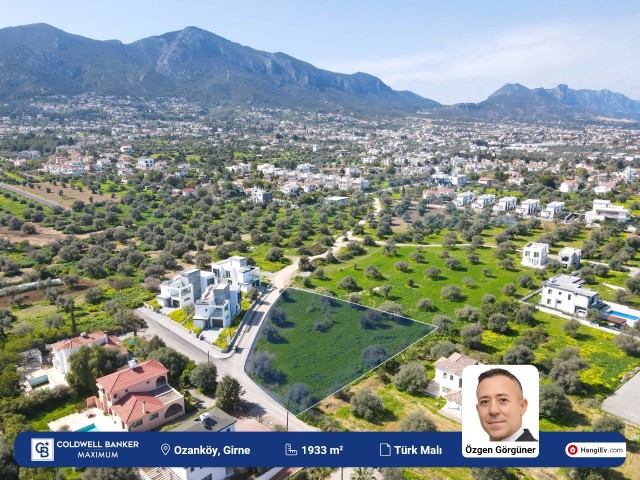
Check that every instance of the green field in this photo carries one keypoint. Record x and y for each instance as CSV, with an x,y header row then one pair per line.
x,y
325,361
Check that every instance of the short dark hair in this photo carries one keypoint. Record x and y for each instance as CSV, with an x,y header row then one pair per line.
x,y
496,372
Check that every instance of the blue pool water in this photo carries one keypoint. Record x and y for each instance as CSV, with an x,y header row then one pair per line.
x,y
88,428
623,315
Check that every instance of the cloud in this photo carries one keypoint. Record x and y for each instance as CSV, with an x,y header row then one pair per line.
x,y
596,55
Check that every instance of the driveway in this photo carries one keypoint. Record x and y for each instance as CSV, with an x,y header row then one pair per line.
x,y
624,401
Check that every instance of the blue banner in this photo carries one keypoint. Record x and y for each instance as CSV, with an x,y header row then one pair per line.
x,y
311,449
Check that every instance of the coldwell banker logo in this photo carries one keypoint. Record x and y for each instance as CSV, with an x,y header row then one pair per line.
x,y
42,449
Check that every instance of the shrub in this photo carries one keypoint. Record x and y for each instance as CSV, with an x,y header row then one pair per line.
x,y
374,355
417,421
443,349
498,323
425,304
472,335
571,327
609,424
553,402
432,272
519,355
203,376
366,404
373,272
453,293
401,266
453,264
444,323
411,377
371,319
509,289
348,283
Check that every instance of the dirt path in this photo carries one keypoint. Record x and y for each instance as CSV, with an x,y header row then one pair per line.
x,y
45,235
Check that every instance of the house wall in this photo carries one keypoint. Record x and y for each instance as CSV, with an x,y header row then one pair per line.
x,y
156,422
447,381
564,301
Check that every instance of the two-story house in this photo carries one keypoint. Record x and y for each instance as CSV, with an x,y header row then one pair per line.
x,y
217,307
62,350
552,210
484,200
463,199
604,211
138,397
565,293
449,377
570,257
530,206
506,204
535,255
259,195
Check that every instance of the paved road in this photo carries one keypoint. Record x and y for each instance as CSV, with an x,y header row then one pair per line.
x,y
31,196
622,402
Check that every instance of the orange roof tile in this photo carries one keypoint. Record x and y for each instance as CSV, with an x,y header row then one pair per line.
x,y
129,408
78,342
455,363
128,377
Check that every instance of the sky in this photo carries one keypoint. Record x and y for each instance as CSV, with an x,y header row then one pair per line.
x,y
450,51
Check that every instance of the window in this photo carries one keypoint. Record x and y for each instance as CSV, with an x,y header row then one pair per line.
x,y
548,301
559,294
569,297
549,291
154,416
444,374
136,424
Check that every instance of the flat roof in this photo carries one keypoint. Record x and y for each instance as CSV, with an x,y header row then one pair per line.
x,y
217,421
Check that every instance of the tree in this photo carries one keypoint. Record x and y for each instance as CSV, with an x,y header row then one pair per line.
x,y
453,293
498,323
277,316
425,304
509,289
628,342
411,377
571,327
401,266
68,304
371,319
203,376
468,314
366,404
417,421
609,424
274,255
374,355
594,316
588,473
450,239
553,401
173,360
469,282
111,474
298,395
372,271
524,314
10,382
262,367
202,260
129,321
228,393
433,273
94,295
506,263
71,279
472,335
444,323
519,355
349,284
491,473
453,263
54,321
363,473
443,349
486,272
525,281
6,321
391,473
89,363
566,366
385,290
8,468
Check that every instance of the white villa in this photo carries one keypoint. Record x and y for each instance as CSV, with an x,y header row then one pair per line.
x,y
463,199
565,293
506,204
449,377
530,206
552,210
62,350
570,257
535,255
216,295
484,200
603,211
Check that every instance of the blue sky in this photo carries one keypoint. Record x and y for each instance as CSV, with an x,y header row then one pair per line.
x,y
450,51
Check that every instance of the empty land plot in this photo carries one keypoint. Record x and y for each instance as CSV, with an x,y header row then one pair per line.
x,y
325,344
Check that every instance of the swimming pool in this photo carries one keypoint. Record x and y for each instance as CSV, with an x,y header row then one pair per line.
x,y
623,315
88,428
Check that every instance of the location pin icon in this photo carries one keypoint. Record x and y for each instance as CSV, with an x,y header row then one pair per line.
x,y
165,448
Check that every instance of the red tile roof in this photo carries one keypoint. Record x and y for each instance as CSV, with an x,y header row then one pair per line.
x,y
455,363
78,342
129,408
131,376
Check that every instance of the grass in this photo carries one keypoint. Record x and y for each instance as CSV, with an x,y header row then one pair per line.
x,y
327,360
40,420
424,287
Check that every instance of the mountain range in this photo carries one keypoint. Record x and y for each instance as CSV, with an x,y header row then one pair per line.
x,y
40,60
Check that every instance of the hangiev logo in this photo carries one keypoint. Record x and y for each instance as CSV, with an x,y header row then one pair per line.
x,y
42,450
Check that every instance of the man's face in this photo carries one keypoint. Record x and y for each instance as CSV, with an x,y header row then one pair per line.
x,y
500,406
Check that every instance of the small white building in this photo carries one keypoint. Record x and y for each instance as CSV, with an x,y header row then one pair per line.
x,y
604,211
569,186
219,304
552,210
565,293
535,255
449,372
484,200
506,204
145,163
459,180
570,257
237,272
259,195
530,206
176,293
463,199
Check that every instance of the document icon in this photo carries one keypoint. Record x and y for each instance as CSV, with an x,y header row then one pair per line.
x,y
385,450
288,451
